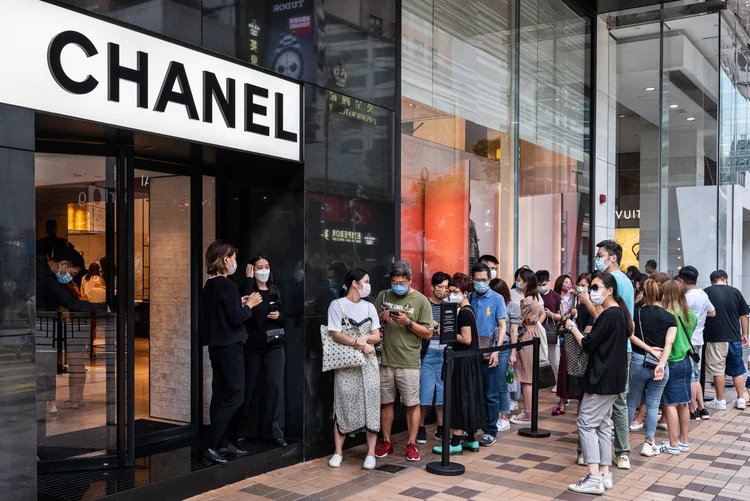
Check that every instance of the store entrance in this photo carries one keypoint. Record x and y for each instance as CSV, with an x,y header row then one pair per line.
x,y
138,211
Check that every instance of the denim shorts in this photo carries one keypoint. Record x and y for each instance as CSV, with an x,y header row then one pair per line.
x,y
695,377
724,358
430,382
677,391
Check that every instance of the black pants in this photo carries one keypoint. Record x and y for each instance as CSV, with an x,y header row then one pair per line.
x,y
272,361
228,365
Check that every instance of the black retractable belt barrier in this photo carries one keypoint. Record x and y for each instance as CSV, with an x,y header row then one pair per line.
x,y
444,466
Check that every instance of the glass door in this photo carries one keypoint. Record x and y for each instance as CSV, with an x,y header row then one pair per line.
x,y
80,324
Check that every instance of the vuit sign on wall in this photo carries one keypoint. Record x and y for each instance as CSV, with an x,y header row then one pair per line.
x,y
56,60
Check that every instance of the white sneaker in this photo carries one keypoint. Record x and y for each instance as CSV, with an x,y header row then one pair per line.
x,y
636,426
581,461
335,460
662,426
740,404
503,425
623,463
719,405
649,450
588,485
608,480
554,389
514,405
369,463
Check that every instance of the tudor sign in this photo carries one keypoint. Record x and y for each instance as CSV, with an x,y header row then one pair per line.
x,y
58,61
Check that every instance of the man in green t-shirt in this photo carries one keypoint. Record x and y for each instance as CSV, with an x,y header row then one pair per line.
x,y
406,317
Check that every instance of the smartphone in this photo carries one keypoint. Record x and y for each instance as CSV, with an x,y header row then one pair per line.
x,y
274,307
394,313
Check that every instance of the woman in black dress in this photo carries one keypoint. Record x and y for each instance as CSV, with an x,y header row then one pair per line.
x,y
467,410
263,353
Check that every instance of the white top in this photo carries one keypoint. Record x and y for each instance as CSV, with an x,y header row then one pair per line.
x,y
517,294
698,301
94,289
356,312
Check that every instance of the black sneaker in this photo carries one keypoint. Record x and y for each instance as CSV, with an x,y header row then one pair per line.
x,y
422,435
439,434
695,416
487,440
704,413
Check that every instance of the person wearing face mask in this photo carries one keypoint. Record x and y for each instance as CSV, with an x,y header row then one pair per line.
x,y
516,290
354,322
608,257
552,302
53,274
221,317
468,409
568,302
492,263
262,354
430,374
491,312
407,318
604,380
532,312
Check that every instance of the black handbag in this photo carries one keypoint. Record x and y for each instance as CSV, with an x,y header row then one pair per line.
x,y
693,355
273,335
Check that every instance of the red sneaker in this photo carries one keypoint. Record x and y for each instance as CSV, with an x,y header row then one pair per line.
x,y
412,453
385,448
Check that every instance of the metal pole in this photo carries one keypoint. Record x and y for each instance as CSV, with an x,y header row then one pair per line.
x,y
534,432
445,467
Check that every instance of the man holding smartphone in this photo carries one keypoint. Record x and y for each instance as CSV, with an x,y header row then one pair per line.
x,y
406,315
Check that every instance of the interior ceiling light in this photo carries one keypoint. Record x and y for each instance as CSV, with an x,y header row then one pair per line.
x,y
690,119
673,106
650,89
621,116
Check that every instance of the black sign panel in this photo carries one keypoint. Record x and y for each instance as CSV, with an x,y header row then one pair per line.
x,y
448,322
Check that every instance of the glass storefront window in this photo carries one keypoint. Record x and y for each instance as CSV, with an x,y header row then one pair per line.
x,y
462,193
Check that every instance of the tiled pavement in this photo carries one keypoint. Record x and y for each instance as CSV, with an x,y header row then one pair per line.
x,y
717,468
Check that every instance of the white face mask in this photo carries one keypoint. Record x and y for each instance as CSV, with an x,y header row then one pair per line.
x,y
365,290
232,268
597,298
493,274
581,289
262,276
455,297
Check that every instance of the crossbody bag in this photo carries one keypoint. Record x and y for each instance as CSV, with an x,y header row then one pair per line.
x,y
650,362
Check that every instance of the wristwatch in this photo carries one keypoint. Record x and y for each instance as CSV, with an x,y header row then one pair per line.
x,y
410,324
289,60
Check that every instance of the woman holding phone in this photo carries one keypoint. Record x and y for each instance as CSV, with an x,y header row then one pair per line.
x,y
263,351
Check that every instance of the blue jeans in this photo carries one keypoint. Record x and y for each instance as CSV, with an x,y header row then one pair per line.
x,y
642,380
492,397
502,386
430,382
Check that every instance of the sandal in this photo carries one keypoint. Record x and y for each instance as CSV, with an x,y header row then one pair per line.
x,y
557,411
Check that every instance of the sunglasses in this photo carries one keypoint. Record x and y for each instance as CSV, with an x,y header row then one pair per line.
x,y
596,288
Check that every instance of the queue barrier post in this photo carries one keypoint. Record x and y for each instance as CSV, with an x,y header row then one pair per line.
x,y
444,467
534,431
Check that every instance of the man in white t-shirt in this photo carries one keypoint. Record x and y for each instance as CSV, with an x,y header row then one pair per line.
x,y
698,301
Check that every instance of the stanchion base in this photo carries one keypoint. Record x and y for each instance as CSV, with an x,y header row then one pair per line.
x,y
528,432
451,470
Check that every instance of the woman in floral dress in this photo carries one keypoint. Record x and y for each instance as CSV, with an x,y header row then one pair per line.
x,y
532,312
352,321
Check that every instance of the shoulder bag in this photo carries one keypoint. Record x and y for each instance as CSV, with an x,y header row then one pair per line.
x,y
693,355
650,362
336,355
578,359
275,334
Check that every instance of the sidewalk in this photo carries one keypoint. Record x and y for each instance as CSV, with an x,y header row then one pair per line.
x,y
717,468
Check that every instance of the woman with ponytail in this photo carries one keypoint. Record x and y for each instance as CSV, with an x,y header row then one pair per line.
x,y
655,331
605,378
678,393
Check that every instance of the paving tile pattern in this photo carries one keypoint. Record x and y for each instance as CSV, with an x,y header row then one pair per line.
x,y
716,469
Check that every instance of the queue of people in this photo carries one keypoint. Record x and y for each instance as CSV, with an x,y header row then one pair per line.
x,y
616,357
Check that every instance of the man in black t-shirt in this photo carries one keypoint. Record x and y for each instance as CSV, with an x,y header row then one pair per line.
x,y
725,335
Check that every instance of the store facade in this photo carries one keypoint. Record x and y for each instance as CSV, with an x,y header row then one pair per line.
x,y
140,130
137,132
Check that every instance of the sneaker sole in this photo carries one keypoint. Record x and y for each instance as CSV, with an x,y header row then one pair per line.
x,y
420,458
487,445
422,442
383,456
